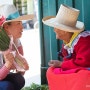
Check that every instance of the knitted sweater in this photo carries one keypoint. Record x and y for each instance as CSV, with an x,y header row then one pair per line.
x,y
80,52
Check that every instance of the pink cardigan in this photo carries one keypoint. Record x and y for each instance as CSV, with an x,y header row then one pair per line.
x,y
4,70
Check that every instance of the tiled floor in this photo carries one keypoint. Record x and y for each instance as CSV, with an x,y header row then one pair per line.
x,y
31,46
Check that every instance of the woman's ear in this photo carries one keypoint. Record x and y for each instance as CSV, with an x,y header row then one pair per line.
x,y
5,26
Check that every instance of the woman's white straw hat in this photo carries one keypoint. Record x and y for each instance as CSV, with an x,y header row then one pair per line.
x,y
10,12
66,19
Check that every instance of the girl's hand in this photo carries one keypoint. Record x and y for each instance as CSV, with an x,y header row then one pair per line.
x,y
23,61
8,58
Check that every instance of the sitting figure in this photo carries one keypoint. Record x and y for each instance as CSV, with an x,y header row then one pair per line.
x,y
11,23
75,52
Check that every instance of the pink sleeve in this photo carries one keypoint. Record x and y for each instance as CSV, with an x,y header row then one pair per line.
x,y
20,49
3,72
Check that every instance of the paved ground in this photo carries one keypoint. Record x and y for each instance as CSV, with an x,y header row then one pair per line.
x,y
31,46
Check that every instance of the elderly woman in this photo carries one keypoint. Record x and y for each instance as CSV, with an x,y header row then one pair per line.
x,y
75,49
12,24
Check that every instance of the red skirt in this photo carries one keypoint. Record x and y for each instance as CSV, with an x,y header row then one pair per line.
x,y
72,81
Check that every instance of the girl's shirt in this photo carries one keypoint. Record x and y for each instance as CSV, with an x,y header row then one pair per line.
x,y
3,69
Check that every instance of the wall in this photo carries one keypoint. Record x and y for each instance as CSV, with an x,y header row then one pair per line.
x,y
6,2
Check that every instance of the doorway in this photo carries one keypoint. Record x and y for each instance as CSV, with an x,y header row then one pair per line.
x,y
30,40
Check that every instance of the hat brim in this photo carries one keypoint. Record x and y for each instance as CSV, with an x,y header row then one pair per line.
x,y
51,21
21,18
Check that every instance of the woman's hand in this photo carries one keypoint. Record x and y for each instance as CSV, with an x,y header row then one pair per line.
x,y
55,63
22,62
9,59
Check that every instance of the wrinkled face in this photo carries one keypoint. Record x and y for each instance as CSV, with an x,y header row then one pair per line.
x,y
14,28
62,35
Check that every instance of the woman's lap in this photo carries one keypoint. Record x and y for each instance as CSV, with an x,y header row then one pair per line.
x,y
73,81
15,80
6,85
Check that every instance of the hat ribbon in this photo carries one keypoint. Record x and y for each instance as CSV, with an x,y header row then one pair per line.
x,y
13,16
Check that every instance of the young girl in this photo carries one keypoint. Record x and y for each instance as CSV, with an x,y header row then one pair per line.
x,y
11,23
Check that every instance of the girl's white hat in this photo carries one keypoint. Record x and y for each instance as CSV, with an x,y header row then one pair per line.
x,y
66,19
11,13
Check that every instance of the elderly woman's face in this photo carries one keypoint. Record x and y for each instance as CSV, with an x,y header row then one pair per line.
x,y
62,35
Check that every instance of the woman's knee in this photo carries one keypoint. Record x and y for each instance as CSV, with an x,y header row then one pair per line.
x,y
49,71
20,81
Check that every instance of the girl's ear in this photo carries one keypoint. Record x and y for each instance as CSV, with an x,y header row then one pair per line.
x,y
5,26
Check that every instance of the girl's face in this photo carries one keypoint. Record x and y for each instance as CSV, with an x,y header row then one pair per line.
x,y
15,29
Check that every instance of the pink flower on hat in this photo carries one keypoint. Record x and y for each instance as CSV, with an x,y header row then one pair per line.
x,y
2,20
